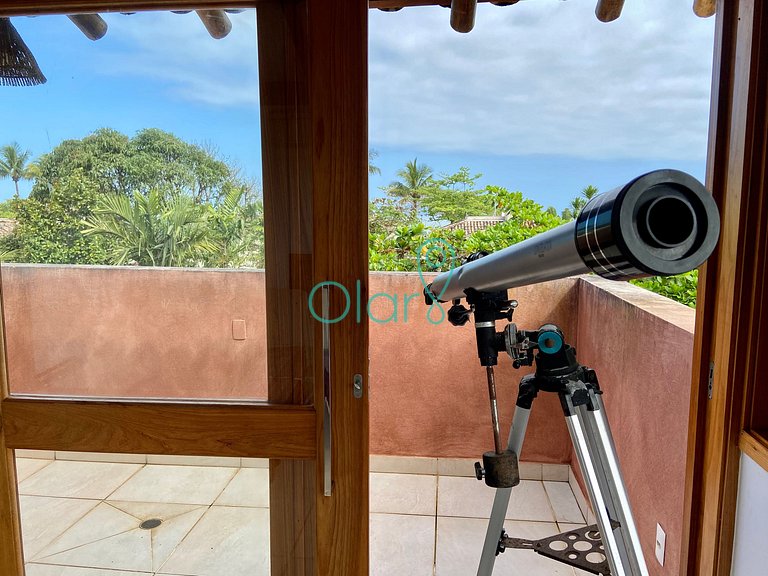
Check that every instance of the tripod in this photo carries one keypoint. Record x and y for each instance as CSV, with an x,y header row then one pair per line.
x,y
610,547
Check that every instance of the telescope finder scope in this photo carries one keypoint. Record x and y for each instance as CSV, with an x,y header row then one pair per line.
x,y
660,224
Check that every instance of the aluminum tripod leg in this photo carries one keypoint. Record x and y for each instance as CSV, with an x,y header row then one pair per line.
x,y
596,454
501,500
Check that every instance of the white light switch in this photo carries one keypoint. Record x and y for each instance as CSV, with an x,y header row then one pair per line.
x,y
661,544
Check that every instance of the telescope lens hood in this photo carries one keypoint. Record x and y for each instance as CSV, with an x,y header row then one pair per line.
x,y
660,224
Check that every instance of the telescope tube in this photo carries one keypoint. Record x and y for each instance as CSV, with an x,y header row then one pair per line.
x,y
660,224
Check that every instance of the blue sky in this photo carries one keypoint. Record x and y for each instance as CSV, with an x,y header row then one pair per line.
x,y
540,97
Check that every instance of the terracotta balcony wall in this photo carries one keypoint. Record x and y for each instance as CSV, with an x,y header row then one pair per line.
x,y
178,333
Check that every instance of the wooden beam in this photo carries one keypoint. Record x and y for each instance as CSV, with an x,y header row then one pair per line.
x,y
216,22
756,447
463,15
33,8
705,8
92,25
11,552
338,106
608,10
287,177
194,429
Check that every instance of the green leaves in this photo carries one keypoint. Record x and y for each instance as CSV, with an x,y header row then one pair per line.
x,y
681,288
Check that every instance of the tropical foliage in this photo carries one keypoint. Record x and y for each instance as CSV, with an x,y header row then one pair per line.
x,y
14,164
155,200
151,200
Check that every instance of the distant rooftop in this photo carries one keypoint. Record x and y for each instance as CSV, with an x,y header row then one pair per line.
x,y
472,224
7,226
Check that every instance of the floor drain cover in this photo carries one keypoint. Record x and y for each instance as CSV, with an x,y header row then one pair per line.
x,y
151,523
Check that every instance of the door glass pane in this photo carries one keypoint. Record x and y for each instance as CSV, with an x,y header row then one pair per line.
x,y
133,232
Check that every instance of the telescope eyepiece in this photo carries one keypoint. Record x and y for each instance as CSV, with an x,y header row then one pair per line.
x,y
667,222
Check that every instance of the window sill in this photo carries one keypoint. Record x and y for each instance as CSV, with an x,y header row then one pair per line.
x,y
755,445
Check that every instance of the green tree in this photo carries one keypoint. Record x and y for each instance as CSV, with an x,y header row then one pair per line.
x,y
589,192
50,230
151,160
14,164
8,208
385,215
372,168
152,230
681,288
237,227
414,181
524,219
453,197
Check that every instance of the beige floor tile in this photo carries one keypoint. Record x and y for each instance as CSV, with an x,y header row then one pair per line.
x,y
44,519
222,461
254,462
403,494
555,472
563,502
102,522
167,536
469,498
403,464
48,570
460,543
231,541
25,467
131,551
95,480
402,544
249,487
102,457
36,454
146,510
175,484
466,467
565,526
108,520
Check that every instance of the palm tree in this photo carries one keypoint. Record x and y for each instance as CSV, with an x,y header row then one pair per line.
x,y
14,164
372,168
589,192
153,230
415,179
576,205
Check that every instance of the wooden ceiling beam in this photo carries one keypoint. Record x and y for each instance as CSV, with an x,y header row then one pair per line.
x,y
34,8
92,25
705,8
216,22
608,10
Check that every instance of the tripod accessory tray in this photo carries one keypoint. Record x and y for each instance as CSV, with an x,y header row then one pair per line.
x,y
582,548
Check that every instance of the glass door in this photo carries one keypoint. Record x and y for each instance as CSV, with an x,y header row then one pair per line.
x,y
112,373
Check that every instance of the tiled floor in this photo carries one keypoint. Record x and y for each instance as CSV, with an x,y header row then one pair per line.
x,y
83,519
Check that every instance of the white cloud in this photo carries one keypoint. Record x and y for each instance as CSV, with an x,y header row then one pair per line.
x,y
177,49
544,77
538,77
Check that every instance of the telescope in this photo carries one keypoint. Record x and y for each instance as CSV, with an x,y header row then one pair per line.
x,y
660,224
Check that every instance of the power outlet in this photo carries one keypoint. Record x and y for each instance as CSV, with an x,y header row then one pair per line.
x,y
661,544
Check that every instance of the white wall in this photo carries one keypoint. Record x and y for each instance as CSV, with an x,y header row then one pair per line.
x,y
750,549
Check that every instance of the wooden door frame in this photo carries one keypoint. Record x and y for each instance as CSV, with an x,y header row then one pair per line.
x,y
727,337
325,186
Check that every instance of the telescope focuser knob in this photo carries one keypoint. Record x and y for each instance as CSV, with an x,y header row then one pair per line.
x,y
458,315
479,472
